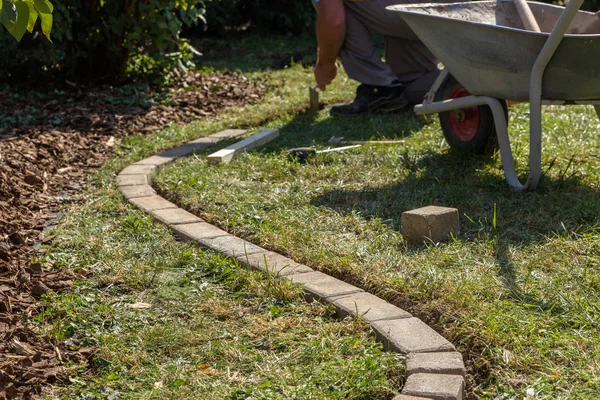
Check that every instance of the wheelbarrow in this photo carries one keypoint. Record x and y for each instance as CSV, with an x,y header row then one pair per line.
x,y
489,57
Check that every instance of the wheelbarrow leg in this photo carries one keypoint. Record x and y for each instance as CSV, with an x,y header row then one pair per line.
x,y
508,163
535,91
597,108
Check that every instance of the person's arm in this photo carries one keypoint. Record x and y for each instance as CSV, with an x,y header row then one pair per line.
x,y
331,30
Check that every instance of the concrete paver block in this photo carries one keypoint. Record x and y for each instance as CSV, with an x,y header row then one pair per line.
x,y
138,170
320,286
197,231
435,386
177,152
131,192
433,222
231,246
409,335
167,156
156,160
132,180
407,397
175,216
152,203
202,143
274,263
367,306
450,363
228,133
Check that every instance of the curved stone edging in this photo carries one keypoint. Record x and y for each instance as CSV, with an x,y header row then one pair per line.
x,y
435,369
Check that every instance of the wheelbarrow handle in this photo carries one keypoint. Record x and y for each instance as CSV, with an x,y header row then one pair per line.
x,y
526,15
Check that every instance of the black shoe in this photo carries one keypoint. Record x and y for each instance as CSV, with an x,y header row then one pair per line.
x,y
372,98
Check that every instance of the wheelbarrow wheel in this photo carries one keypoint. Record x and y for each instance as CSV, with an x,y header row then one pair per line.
x,y
472,129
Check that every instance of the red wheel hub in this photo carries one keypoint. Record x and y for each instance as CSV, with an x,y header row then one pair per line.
x,y
464,122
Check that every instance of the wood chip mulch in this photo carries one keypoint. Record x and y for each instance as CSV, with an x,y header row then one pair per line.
x,y
50,141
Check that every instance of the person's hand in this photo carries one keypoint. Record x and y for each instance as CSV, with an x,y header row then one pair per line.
x,y
324,74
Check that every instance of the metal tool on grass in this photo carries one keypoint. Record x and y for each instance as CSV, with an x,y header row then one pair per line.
x,y
303,153
340,140
313,95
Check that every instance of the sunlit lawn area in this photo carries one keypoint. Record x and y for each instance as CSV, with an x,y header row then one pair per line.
x,y
516,291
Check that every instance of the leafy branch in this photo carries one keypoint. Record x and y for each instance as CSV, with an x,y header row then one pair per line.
x,y
19,16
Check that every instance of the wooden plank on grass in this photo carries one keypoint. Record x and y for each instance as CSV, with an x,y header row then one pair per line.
x,y
226,155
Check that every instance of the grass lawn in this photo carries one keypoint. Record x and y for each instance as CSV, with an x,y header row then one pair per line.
x,y
517,291
211,330
167,320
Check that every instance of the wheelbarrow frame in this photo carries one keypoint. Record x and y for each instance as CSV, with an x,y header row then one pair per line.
x,y
429,106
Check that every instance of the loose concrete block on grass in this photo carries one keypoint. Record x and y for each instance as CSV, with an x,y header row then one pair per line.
x,y
132,180
175,216
431,222
274,263
320,286
131,192
435,386
367,306
138,170
197,231
409,335
450,363
152,203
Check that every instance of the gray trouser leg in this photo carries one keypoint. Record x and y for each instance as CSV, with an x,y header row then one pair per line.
x,y
406,57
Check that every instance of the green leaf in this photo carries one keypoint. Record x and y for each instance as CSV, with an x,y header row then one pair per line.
x,y
33,16
44,9
22,20
8,15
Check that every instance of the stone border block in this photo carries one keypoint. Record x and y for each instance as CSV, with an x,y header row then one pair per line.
x,y
435,386
137,169
175,216
274,263
367,306
410,335
197,231
152,203
156,161
131,192
228,133
450,363
167,156
132,180
319,286
203,142
231,246
435,370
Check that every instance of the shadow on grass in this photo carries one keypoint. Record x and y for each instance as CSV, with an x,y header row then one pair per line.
x,y
307,129
558,207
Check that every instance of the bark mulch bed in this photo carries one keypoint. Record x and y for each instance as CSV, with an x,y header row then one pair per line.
x,y
49,142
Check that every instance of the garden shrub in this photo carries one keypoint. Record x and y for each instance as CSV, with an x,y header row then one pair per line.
x,y
105,40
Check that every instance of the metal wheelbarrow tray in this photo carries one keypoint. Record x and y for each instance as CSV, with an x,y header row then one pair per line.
x,y
485,46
